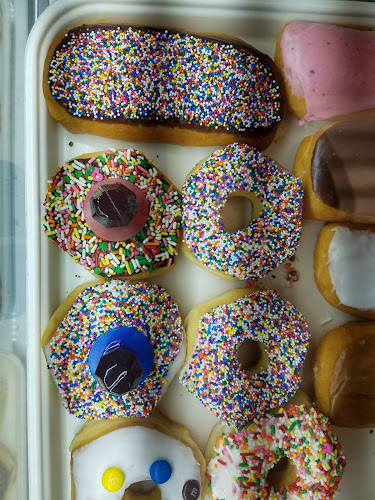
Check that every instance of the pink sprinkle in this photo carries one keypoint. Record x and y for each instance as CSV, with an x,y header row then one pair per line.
x,y
91,160
96,175
327,448
143,170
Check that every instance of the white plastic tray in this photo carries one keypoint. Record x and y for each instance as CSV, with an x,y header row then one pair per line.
x,y
51,274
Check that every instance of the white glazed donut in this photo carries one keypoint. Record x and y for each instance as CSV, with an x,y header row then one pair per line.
x,y
344,267
108,457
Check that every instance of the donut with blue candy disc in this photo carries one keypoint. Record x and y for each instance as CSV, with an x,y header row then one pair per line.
x,y
113,347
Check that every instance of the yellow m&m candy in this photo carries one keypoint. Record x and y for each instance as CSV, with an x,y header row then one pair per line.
x,y
112,479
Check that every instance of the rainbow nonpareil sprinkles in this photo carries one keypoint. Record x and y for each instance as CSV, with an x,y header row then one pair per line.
x,y
300,433
268,240
147,308
154,247
213,373
110,72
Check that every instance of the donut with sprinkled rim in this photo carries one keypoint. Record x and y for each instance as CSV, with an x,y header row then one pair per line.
x,y
271,237
109,458
113,347
115,213
220,377
156,84
241,462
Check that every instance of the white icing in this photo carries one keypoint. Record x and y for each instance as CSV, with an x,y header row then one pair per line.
x,y
133,450
351,262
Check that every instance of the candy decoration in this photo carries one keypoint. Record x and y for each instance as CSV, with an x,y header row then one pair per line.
x,y
160,471
113,479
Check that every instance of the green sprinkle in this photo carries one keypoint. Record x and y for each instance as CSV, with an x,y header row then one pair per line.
x,y
104,246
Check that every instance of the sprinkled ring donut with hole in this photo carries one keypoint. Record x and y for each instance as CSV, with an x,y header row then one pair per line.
x,y
273,233
243,461
115,213
218,334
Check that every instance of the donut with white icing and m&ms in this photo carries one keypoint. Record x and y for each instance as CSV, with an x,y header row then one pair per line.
x,y
122,458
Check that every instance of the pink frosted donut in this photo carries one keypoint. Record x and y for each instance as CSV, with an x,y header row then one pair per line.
x,y
329,70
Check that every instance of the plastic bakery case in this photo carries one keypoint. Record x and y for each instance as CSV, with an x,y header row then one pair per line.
x,y
36,276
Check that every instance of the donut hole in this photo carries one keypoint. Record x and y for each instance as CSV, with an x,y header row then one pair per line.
x,y
252,356
142,490
284,472
239,209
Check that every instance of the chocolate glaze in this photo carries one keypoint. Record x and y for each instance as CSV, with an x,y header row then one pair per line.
x,y
175,122
343,167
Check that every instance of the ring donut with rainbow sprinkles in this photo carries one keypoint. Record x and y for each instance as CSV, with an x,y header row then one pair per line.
x,y
241,462
115,213
113,347
271,237
152,84
221,369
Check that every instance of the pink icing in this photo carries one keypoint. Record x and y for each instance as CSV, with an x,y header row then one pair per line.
x,y
333,68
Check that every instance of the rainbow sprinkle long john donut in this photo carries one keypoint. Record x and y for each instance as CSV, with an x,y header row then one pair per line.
x,y
113,347
270,238
300,433
115,213
217,329
156,84
109,459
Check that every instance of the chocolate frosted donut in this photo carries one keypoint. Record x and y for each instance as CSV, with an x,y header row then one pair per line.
x,y
337,167
156,84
